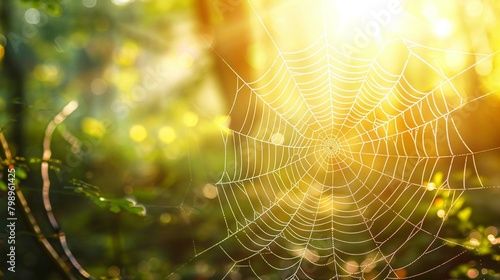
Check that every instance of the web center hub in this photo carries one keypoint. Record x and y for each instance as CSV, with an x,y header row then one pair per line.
x,y
331,147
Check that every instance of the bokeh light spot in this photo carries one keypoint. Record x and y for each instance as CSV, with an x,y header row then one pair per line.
x,y
473,8
190,119
32,16
167,134
47,73
484,67
165,218
121,2
441,213
98,86
93,127
114,271
138,133
210,191
472,273
127,54
256,56
89,3
351,266
277,139
474,242
455,60
491,230
443,27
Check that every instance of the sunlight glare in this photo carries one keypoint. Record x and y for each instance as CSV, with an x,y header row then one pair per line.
x,y
350,11
185,59
443,27
223,123
474,8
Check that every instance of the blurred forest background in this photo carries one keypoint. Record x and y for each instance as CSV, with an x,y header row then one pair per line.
x,y
133,168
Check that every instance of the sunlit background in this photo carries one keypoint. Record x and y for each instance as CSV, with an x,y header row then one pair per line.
x,y
196,117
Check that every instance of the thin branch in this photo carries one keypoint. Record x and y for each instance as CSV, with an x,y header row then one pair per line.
x,y
47,153
66,269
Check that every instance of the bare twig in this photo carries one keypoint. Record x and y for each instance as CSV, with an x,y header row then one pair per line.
x,y
47,153
66,269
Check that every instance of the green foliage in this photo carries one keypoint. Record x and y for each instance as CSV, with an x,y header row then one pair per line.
x,y
114,205
51,7
21,173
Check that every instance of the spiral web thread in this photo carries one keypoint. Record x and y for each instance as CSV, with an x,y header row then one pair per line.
x,y
333,172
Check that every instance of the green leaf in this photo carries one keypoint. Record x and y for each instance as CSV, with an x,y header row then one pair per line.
x,y
20,173
100,202
138,210
114,208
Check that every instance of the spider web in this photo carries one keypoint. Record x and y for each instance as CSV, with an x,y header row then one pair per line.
x,y
331,172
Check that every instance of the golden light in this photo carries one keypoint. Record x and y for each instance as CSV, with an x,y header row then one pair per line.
x,y
484,67
277,139
47,73
114,271
138,133
185,59
441,213
474,242
443,27
257,56
121,2
472,273
431,186
167,134
223,122
491,230
351,266
210,191
368,265
190,119
491,237
93,127
474,8
127,54
165,218
380,11
311,255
